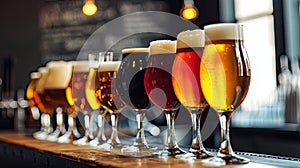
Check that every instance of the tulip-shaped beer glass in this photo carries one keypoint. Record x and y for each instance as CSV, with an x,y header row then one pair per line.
x,y
225,77
186,84
158,85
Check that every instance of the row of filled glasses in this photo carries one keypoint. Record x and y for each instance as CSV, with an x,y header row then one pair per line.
x,y
200,69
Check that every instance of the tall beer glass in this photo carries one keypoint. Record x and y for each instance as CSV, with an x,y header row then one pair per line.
x,y
130,86
79,79
186,83
108,97
225,77
34,76
91,87
30,92
58,95
41,103
158,85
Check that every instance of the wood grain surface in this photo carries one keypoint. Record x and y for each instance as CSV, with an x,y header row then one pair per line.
x,y
98,158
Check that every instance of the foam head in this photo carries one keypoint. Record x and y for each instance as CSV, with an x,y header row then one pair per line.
x,y
191,39
133,50
93,60
43,71
59,75
162,47
109,66
80,66
222,31
35,75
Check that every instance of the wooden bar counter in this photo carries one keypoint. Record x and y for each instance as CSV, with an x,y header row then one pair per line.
x,y
19,150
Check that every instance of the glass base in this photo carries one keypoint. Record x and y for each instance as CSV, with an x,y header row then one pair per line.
x,y
53,137
84,141
69,136
40,135
221,161
138,151
196,154
169,152
109,146
95,142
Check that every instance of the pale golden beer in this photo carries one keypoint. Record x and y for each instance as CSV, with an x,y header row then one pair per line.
x,y
225,78
90,89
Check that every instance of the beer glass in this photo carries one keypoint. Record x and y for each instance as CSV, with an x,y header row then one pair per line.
x,y
186,84
79,80
130,86
39,99
91,87
225,77
158,85
30,92
108,97
58,96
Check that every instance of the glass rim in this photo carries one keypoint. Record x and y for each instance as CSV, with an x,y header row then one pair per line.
x,y
135,49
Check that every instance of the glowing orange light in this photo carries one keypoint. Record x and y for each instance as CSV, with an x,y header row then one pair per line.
x,y
189,12
89,8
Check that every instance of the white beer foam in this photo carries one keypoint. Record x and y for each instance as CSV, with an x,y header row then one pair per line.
x,y
80,66
191,39
133,50
35,75
59,75
162,47
39,88
222,31
109,66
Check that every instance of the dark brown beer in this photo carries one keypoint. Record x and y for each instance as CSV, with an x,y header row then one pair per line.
x,y
158,76
130,78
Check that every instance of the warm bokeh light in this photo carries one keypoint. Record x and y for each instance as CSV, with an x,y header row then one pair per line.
x,y
89,8
189,12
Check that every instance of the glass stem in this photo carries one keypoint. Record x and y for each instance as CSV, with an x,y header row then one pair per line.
x,y
43,125
71,123
87,126
225,146
91,126
140,139
114,138
101,131
197,145
60,128
171,137
48,124
72,128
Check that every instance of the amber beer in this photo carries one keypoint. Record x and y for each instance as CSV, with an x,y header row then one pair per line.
x,y
186,79
39,95
57,88
34,76
106,90
130,77
224,78
79,80
158,77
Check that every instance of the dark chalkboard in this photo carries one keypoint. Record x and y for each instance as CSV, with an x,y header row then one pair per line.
x,y
64,28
